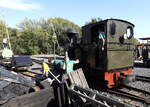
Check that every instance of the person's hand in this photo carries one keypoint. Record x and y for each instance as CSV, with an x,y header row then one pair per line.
x,y
77,61
52,61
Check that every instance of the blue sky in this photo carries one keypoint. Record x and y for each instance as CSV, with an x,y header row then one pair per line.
x,y
79,11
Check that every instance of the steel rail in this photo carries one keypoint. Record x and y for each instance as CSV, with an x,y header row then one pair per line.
x,y
136,89
142,78
129,95
37,61
40,61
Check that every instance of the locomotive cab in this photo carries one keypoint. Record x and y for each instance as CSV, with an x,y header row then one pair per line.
x,y
107,51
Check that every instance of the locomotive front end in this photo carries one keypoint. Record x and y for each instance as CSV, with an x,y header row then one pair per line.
x,y
107,51
120,48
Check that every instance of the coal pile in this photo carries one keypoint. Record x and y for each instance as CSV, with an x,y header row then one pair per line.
x,y
13,85
11,91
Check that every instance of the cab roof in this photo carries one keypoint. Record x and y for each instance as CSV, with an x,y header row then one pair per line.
x,y
104,21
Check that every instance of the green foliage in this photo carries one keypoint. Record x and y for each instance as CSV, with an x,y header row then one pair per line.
x,y
2,30
135,41
38,36
60,26
93,20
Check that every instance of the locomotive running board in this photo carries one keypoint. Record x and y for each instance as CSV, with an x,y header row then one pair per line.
x,y
86,96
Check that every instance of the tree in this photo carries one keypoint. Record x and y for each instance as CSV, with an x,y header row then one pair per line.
x,y
60,27
3,33
135,41
93,20
14,37
38,35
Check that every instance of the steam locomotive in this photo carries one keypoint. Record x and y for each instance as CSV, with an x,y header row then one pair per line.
x,y
106,52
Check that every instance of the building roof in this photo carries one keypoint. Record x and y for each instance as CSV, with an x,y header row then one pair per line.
x,y
146,38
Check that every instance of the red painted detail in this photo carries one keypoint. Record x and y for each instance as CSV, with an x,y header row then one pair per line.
x,y
113,78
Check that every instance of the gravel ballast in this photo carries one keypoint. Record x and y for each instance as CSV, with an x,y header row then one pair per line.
x,y
139,84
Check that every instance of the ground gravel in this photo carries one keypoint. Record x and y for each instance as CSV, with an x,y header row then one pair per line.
x,y
141,71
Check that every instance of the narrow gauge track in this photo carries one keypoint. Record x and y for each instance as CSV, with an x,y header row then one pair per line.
x,y
142,78
34,75
37,61
30,73
134,94
52,57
